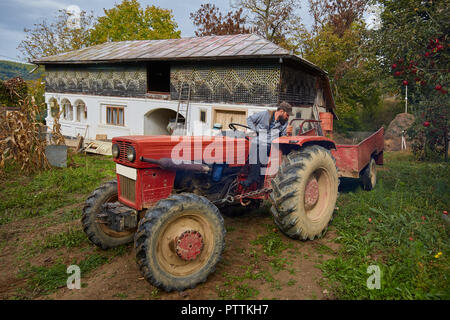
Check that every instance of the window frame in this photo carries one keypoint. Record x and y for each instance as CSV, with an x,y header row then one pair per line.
x,y
67,109
118,109
206,115
83,114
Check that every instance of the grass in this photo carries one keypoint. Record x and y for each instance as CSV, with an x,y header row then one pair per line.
x,y
240,292
272,242
45,280
71,238
404,235
398,227
68,239
44,192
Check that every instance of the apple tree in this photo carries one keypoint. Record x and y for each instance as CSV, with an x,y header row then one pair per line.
x,y
413,45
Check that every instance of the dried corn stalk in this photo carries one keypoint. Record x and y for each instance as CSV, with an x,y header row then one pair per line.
x,y
57,137
21,140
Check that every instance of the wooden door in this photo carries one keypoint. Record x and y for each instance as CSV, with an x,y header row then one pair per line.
x,y
225,117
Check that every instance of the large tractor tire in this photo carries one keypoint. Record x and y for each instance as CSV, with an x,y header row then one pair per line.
x,y
305,192
99,233
369,175
179,242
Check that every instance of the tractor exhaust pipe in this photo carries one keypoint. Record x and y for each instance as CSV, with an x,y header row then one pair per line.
x,y
168,164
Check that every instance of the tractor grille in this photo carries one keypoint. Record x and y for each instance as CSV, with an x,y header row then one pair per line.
x,y
123,146
127,188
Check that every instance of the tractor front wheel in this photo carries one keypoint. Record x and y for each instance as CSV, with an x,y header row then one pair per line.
x,y
97,232
305,193
179,242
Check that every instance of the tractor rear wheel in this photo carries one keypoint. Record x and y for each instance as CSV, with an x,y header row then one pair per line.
x,y
369,175
99,233
305,193
179,242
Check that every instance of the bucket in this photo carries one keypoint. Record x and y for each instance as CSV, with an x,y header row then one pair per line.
x,y
56,155
327,120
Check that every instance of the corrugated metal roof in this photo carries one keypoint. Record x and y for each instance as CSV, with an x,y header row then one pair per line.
x,y
193,48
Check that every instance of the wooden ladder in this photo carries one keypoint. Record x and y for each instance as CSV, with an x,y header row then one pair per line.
x,y
180,108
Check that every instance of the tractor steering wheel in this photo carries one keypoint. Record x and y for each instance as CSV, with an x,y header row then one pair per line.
x,y
233,125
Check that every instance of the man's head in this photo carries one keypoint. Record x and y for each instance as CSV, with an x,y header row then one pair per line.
x,y
283,112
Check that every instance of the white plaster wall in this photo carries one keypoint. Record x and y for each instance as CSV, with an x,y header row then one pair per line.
x,y
135,111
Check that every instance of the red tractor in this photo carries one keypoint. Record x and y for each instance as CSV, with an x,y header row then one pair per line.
x,y
170,192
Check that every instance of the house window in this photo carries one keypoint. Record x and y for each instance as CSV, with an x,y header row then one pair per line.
x,y
81,111
115,115
158,77
203,116
67,110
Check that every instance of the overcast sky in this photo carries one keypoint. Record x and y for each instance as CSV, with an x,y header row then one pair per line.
x,y
15,15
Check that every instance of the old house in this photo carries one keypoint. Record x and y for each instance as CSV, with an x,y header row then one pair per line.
x,y
134,87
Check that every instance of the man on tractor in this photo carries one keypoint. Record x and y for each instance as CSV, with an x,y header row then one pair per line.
x,y
268,126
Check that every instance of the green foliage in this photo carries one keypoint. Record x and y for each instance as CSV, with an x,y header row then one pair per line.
x,y
36,88
413,45
430,127
10,69
5,96
128,21
353,72
12,91
403,236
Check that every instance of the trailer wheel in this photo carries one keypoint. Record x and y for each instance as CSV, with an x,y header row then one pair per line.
x,y
179,242
305,193
369,175
98,233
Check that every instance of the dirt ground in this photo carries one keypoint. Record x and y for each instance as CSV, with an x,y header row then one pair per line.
x,y
238,275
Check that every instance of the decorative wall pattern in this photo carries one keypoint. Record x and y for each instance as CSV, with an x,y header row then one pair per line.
x,y
237,83
297,87
257,83
126,81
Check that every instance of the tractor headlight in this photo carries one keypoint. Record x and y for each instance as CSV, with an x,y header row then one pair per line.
x,y
131,154
115,151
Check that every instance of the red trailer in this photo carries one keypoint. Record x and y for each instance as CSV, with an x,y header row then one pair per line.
x,y
358,160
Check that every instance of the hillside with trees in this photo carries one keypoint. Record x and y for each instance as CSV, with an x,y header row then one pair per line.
x,y
10,69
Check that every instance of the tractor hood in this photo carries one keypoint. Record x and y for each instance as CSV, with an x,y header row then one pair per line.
x,y
201,149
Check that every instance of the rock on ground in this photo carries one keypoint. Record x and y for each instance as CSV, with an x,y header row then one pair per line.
x,y
393,134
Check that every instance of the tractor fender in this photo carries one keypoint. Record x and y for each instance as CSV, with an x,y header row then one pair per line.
x,y
287,142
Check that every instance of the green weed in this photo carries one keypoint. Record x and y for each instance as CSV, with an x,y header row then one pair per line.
x,y
397,227
46,191
45,280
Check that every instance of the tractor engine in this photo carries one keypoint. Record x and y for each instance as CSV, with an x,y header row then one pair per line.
x,y
148,169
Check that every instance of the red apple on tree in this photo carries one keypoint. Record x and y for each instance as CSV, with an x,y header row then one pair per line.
x,y
405,82
426,124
